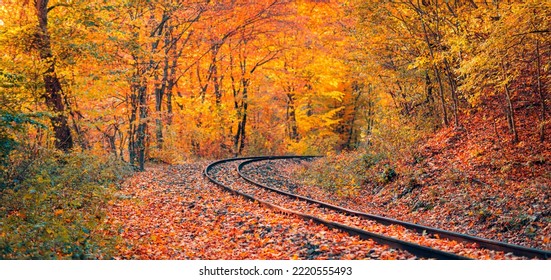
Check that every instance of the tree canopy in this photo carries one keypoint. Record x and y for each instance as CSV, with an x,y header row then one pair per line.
x,y
168,80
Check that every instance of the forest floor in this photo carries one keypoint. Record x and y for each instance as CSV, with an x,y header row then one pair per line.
x,y
480,211
173,212
471,180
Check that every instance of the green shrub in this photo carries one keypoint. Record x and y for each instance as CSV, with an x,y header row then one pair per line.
x,y
388,174
370,160
54,206
10,123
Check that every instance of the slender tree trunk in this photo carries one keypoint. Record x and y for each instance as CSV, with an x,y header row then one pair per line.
x,y
351,139
370,110
122,140
291,117
436,71
139,141
110,138
428,85
453,86
80,134
169,108
132,121
112,144
215,78
142,126
137,131
159,96
239,138
159,129
510,112
159,93
244,120
370,117
53,91
170,85
441,95
540,92
240,134
203,86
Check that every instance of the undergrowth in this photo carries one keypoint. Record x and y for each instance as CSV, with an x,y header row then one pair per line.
x,y
52,205
346,174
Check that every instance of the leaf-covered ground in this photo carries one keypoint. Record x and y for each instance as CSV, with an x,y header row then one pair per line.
x,y
464,210
227,174
172,212
461,180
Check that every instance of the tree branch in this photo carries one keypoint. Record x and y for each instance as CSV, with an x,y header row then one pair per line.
x,y
58,5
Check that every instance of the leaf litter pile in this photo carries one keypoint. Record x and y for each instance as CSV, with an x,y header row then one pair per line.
x,y
173,212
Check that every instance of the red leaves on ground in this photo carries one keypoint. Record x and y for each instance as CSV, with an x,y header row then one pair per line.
x,y
174,213
456,193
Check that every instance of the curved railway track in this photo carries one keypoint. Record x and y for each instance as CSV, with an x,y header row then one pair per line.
x,y
428,241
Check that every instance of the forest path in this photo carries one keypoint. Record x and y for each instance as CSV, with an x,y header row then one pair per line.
x,y
173,212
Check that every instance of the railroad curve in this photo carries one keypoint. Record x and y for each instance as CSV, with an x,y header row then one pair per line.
x,y
363,225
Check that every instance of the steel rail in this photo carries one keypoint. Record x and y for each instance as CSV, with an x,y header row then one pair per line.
x,y
461,237
415,249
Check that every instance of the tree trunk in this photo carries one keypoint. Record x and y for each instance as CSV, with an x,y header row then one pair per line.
x,y
370,110
53,91
540,92
215,79
441,95
292,128
202,86
428,85
351,140
159,96
142,127
81,138
510,112
453,87
240,134
138,125
170,85
244,120
132,123
436,70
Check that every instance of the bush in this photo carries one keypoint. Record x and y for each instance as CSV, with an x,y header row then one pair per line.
x,y
53,207
10,123
370,160
388,174
314,144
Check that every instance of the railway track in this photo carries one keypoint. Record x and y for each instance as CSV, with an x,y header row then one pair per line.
x,y
422,241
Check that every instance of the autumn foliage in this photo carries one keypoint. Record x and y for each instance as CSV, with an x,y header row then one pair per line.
x,y
406,88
